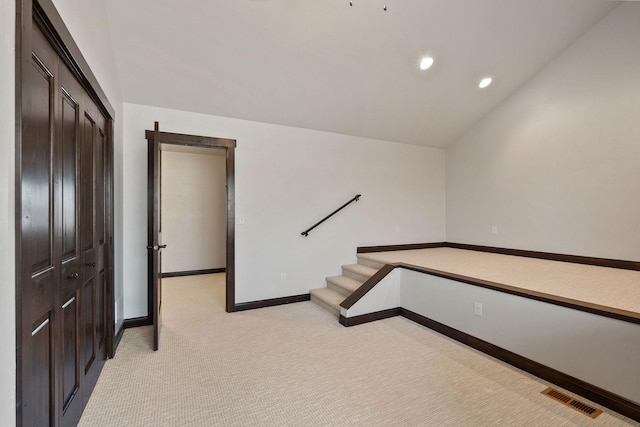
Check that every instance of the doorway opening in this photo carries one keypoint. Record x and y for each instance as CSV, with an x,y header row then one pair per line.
x,y
159,141
193,210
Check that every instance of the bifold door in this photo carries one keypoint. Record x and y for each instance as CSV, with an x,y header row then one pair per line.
x,y
64,240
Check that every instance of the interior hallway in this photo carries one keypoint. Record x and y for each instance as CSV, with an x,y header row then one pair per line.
x,y
295,365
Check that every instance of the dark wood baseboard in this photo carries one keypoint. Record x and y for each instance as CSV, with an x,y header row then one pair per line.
x,y
136,322
576,259
370,317
193,272
147,321
589,391
271,302
405,247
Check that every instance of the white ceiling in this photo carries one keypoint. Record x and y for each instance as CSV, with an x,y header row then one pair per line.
x,y
328,66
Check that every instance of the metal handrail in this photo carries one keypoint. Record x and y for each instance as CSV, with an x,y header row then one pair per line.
x,y
355,199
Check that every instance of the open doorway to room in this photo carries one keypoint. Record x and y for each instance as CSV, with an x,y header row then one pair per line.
x,y
193,223
157,143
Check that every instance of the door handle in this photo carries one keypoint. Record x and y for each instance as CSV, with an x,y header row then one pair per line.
x,y
90,264
73,276
156,247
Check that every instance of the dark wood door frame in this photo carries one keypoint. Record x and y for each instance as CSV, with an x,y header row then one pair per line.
x,y
154,241
44,13
229,146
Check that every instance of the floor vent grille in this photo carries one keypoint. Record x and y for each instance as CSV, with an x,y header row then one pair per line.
x,y
572,403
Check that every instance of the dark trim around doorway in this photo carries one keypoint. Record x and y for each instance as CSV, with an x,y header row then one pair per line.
x,y
193,272
229,145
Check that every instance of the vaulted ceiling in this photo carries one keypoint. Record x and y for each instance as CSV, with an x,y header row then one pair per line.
x,y
348,69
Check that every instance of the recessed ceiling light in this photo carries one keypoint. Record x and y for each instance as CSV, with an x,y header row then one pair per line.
x,y
426,63
485,82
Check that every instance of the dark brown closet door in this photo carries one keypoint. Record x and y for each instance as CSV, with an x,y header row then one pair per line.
x,y
40,271
92,218
102,246
70,401
64,241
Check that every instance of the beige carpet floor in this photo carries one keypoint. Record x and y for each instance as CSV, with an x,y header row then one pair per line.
x,y
610,287
294,365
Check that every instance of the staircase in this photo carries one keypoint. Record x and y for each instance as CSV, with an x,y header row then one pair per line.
x,y
340,287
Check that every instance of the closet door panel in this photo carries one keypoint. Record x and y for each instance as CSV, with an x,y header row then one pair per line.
x,y
87,197
40,387
94,243
100,311
68,139
38,286
88,240
37,179
89,332
101,237
70,353
101,159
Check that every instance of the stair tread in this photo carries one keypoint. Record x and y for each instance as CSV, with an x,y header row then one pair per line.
x,y
345,282
329,296
339,287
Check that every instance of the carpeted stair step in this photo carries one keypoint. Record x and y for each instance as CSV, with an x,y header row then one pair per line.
x,y
358,272
365,260
340,287
328,299
343,284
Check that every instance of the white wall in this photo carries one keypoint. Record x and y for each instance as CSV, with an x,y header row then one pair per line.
x,y
194,221
556,166
87,23
7,214
599,350
287,179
